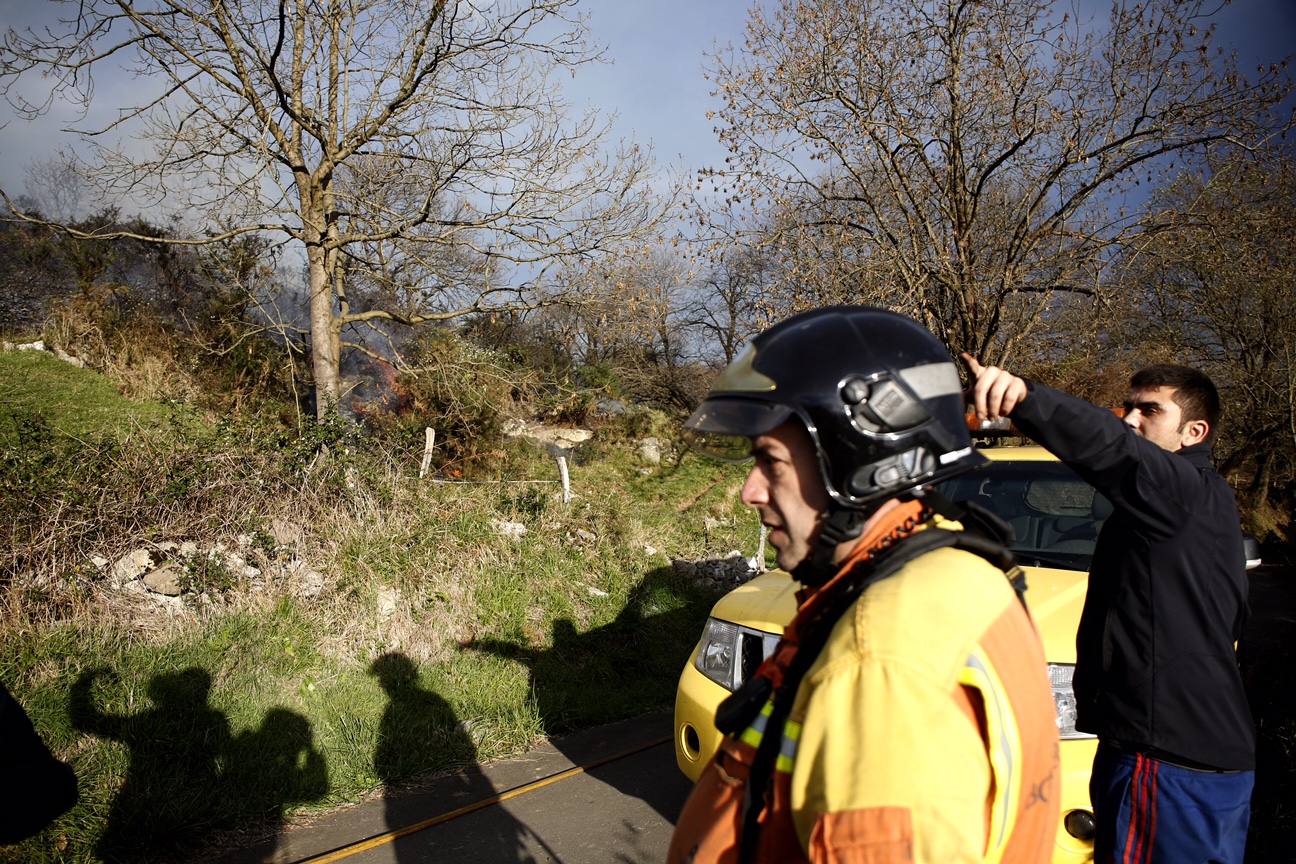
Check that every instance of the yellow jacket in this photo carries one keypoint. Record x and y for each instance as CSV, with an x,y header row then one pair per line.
x,y
923,732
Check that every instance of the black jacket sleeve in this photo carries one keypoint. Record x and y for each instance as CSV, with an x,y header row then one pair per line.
x,y
37,787
1149,483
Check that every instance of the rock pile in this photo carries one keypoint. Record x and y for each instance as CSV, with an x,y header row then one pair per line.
x,y
172,573
39,345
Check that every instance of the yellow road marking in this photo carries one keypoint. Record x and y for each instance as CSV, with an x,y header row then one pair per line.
x,y
389,836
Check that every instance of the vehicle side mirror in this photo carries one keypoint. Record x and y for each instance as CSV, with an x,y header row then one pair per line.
x,y
1251,551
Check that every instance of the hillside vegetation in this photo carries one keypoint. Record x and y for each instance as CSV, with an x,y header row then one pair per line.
x,y
77,402
380,626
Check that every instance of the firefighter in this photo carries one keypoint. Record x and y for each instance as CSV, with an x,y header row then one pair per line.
x,y
906,713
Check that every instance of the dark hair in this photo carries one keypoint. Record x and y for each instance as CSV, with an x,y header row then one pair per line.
x,y
1194,393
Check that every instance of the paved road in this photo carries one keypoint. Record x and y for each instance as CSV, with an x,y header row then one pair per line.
x,y
606,795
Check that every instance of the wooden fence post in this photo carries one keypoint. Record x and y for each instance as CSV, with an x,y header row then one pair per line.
x,y
429,441
566,480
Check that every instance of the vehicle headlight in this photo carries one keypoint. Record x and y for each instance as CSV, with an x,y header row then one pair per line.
x,y
1064,700
717,651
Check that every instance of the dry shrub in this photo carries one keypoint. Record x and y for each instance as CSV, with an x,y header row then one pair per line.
x,y
464,392
64,500
139,353
220,363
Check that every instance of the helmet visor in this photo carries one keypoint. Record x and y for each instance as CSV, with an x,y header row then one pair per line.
x,y
723,428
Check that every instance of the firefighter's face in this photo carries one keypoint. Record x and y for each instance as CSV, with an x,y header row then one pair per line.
x,y
787,490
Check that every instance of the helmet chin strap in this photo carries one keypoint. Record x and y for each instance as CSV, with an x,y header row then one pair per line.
x,y
841,524
838,525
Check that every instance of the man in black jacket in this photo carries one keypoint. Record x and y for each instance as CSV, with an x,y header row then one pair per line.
x,y
1156,674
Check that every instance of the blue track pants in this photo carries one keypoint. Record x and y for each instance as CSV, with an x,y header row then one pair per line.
x,y
1154,812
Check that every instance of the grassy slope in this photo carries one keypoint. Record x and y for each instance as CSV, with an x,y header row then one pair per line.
x,y
438,642
74,401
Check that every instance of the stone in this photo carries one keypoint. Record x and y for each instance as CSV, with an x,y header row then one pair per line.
x,y
188,549
388,601
650,451
164,580
286,532
135,586
595,592
130,567
68,358
722,574
512,530
173,606
99,561
38,345
310,582
584,536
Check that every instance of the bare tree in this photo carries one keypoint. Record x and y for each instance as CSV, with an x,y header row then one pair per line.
x,y
630,325
1217,280
727,309
965,160
355,128
54,186
659,358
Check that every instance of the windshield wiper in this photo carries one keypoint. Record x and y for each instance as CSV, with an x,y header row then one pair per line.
x,y
1036,558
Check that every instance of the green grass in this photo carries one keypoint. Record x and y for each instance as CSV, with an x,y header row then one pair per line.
x,y
72,400
269,708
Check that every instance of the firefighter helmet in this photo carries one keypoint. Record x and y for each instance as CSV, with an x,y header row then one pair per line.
x,y
878,393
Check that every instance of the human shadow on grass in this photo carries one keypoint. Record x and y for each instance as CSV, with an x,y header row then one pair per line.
x,y
621,669
419,731
187,775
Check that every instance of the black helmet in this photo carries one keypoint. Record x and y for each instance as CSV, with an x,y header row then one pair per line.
x,y
879,395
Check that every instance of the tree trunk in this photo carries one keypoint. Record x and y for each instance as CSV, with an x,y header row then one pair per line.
x,y
324,338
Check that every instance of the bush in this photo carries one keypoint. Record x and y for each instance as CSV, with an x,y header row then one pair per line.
x,y
464,392
219,364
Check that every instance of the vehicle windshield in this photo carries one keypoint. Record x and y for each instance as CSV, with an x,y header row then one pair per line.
x,y
1055,516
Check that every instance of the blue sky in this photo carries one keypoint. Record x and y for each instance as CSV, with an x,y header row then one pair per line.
x,y
659,48
654,84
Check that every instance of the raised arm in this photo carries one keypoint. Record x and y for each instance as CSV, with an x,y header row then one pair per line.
x,y
83,713
1137,476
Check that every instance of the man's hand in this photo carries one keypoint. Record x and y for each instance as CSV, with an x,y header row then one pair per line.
x,y
995,392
